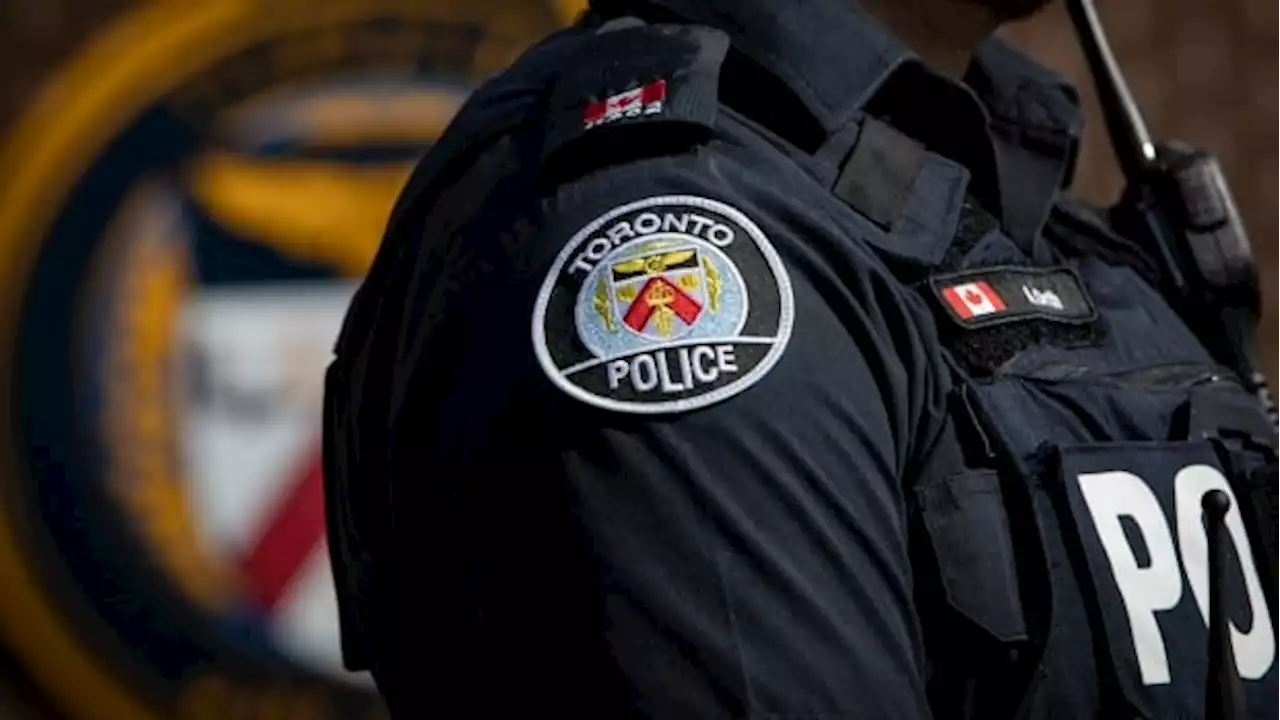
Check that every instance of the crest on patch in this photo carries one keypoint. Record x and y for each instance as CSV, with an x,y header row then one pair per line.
x,y
663,305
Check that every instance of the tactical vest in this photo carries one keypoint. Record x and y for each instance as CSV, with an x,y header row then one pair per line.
x,y
1060,553
1061,549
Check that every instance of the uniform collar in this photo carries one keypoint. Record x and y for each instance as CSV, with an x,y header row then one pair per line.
x,y
835,58
1016,90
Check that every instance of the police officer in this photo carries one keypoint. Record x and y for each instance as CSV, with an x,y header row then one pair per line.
x,y
748,359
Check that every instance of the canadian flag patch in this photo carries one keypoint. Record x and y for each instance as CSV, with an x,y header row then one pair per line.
x,y
987,296
973,299
645,100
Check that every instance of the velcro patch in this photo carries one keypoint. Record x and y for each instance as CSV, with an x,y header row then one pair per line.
x,y
664,305
990,296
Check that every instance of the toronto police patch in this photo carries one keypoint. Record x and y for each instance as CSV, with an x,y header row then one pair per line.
x,y
663,305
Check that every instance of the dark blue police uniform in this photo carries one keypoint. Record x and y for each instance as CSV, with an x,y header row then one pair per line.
x,y
722,361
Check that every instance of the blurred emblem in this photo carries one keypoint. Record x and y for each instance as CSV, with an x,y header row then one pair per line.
x,y
200,193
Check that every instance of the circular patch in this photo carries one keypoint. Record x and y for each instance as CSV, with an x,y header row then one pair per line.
x,y
664,305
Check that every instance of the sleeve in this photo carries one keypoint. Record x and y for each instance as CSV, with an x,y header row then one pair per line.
x,y
646,458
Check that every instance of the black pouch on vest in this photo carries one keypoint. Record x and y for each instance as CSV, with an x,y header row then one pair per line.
x,y
965,519
967,555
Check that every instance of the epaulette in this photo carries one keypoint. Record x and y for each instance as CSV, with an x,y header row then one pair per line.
x,y
633,90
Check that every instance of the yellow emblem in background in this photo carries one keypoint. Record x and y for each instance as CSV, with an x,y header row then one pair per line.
x,y
121,186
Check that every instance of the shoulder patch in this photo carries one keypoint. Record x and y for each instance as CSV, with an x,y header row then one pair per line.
x,y
664,305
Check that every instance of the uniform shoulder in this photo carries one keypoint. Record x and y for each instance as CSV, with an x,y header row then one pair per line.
x,y
625,227
625,88
596,74
584,98
591,118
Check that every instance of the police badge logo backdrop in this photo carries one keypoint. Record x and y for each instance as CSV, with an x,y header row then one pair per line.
x,y
201,187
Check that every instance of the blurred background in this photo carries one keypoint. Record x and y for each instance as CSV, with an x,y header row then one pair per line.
x,y
188,192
